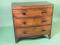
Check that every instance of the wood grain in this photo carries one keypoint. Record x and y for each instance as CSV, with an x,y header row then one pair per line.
x,y
31,21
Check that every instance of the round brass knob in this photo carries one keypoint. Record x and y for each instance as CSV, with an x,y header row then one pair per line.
x,y
43,30
24,22
23,13
24,32
43,20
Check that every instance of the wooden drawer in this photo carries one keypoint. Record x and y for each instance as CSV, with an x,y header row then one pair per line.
x,y
27,12
32,21
32,31
27,22
32,12
24,32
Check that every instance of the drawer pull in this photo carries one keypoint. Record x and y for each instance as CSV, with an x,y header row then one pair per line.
x,y
43,20
44,12
43,30
24,13
24,22
24,32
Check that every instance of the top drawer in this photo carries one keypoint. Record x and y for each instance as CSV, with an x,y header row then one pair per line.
x,y
29,12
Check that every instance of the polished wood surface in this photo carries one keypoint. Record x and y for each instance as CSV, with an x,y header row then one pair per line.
x,y
32,12
31,21
32,31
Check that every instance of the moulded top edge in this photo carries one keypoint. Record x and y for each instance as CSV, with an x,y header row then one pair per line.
x,y
31,3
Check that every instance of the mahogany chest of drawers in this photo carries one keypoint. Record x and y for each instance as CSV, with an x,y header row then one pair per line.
x,y
32,19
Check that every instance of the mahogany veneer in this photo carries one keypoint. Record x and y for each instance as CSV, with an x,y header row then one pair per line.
x,y
32,20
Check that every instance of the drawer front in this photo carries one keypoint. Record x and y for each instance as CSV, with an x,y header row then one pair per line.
x,y
32,12
27,12
32,31
27,22
26,32
32,21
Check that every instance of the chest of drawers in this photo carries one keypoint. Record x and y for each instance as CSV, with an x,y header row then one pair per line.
x,y
32,19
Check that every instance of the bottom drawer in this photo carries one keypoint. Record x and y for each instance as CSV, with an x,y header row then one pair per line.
x,y
32,31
